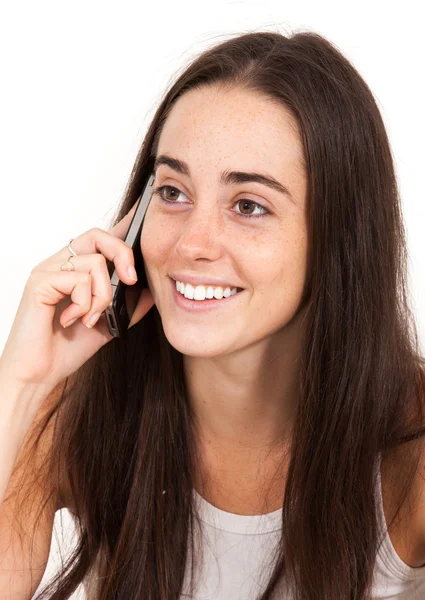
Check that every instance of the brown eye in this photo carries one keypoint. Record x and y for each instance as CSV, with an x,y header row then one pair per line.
x,y
172,192
244,206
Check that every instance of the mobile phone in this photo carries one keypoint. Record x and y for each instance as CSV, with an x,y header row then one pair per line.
x,y
116,312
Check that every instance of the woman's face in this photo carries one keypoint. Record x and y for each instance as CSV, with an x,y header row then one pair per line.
x,y
203,231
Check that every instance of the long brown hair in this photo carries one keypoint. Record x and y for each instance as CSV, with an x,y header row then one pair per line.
x,y
125,432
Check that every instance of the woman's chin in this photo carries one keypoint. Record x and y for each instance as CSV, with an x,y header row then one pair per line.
x,y
205,344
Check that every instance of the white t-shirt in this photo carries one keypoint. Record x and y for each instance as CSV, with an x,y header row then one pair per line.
x,y
237,558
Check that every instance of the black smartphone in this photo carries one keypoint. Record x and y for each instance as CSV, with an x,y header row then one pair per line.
x,y
116,312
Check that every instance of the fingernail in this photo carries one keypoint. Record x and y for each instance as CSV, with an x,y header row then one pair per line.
x,y
93,320
69,323
132,273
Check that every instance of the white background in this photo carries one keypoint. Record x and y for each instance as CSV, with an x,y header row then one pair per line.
x,y
81,80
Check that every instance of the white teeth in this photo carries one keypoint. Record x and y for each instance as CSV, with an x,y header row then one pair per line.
x,y
200,292
188,291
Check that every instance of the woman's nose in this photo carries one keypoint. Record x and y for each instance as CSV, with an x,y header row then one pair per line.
x,y
201,234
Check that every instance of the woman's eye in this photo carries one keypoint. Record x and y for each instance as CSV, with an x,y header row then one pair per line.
x,y
246,203
167,189
169,194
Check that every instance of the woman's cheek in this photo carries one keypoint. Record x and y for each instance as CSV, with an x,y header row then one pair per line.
x,y
157,241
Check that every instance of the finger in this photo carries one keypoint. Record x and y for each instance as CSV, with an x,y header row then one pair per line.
x,y
93,242
51,289
101,289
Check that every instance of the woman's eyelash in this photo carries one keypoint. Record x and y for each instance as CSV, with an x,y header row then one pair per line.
x,y
159,190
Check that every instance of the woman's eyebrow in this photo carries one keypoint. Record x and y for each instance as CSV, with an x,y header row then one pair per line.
x,y
226,177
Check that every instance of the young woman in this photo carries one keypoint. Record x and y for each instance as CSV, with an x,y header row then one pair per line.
x,y
268,442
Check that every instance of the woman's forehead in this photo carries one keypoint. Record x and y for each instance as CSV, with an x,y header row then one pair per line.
x,y
219,130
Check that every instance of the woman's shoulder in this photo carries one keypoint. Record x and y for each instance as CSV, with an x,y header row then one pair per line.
x,y
407,528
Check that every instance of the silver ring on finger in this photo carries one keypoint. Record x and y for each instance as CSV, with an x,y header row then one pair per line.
x,y
68,265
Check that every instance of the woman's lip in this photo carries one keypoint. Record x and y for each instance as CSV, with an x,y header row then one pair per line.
x,y
197,306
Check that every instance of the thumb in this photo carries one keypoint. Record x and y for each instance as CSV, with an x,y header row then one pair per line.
x,y
143,303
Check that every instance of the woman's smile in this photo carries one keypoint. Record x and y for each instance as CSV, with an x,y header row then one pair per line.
x,y
201,306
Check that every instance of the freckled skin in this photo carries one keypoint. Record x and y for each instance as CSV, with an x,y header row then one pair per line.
x,y
240,363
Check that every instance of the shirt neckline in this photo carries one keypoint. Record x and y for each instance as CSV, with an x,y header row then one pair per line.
x,y
272,522
240,524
